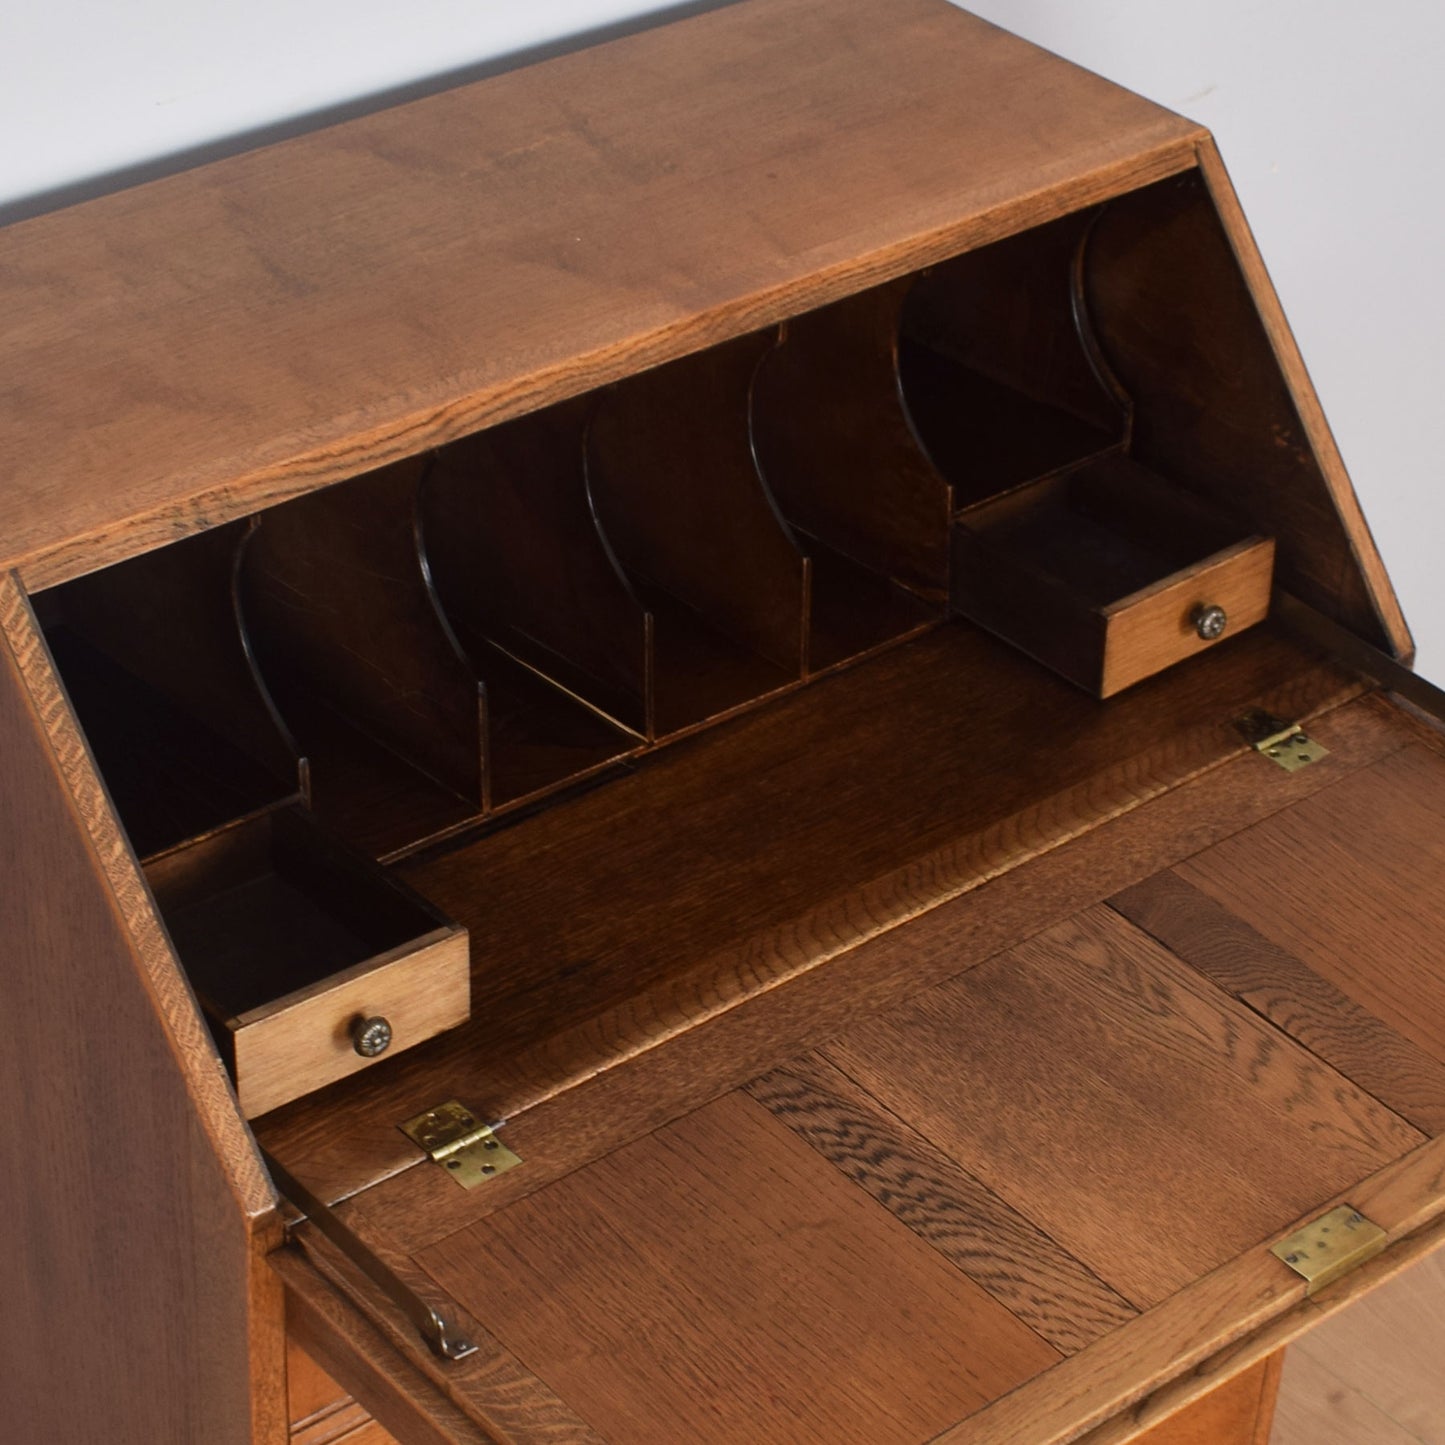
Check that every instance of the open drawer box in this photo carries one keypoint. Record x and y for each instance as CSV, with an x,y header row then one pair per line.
x,y
308,960
725,669
1106,575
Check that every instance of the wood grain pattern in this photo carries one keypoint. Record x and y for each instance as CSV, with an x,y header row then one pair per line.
x,y
1147,632
321,310
149,1222
322,1413
1338,877
299,1045
350,1425
736,1045
1279,987
1178,1352
796,852
999,1248
1168,1111
1239,1412
491,1386
720,1281
330,1328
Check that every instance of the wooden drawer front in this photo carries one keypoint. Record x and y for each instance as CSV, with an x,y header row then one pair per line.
x,y
1156,627
293,940
1103,572
304,1041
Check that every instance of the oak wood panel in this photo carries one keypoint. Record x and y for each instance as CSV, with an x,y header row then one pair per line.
x,y
1349,884
1179,323
321,309
999,1248
310,1391
301,1043
1231,1318
133,1196
1001,375
1153,630
735,1045
492,1386
797,849
1166,1112
1306,401
1278,986
322,1413
1238,1412
350,1425
720,1281
676,491
512,547
334,1332
833,438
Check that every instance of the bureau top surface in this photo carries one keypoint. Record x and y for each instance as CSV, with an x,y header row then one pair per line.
x,y
189,350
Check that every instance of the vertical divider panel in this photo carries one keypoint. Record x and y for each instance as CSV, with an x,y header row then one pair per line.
x,y
153,653
515,556
676,492
998,364
833,438
362,664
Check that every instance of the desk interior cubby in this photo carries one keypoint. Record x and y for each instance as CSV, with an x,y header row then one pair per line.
x,y
783,538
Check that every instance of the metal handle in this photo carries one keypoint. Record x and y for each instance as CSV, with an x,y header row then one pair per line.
x,y
371,1037
1209,621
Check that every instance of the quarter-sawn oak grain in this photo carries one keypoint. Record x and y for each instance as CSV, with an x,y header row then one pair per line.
x,y
720,1281
353,296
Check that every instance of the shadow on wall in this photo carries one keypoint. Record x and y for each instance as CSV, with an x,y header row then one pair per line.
x,y
190,156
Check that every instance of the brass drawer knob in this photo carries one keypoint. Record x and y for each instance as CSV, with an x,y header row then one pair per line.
x,y
1209,621
371,1037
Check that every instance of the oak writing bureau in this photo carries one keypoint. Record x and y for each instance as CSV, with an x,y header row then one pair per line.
x,y
699,744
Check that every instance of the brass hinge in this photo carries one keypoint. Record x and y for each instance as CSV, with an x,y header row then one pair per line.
x,y
1332,1246
1285,743
466,1148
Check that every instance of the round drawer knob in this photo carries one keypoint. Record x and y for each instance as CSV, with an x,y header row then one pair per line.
x,y
1209,621
371,1037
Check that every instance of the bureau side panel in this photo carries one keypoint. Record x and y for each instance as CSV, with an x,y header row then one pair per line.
x,y
132,1302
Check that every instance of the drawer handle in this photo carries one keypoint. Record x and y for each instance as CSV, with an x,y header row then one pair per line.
x,y
1209,621
371,1037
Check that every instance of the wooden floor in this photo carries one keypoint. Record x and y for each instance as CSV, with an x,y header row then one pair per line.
x,y
1375,1374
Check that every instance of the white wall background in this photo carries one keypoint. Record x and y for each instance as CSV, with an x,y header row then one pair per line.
x,y
1329,115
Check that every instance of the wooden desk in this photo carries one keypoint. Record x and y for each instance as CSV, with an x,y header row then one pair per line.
x,y
711,601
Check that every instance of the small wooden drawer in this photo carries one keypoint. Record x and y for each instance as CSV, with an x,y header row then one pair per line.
x,y
295,945
1107,574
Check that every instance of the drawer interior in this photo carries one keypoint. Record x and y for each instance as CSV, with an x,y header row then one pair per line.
x,y
275,906
1105,574
309,961
1102,529
707,634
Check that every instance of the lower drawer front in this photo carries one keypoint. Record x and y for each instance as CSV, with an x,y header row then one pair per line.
x,y
1014,1205
321,1412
